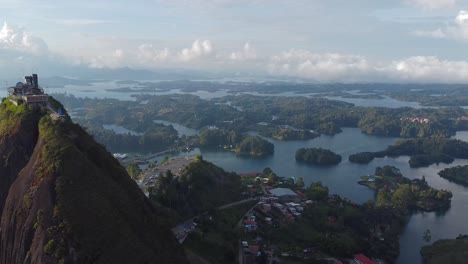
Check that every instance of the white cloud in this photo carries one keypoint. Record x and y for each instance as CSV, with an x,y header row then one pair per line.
x,y
458,29
429,69
323,67
116,59
433,4
19,49
149,54
199,49
331,67
247,53
14,38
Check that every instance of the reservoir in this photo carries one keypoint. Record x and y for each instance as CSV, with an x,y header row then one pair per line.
x,y
342,179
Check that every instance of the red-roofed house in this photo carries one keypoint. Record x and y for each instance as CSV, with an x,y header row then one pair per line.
x,y
254,249
250,222
362,259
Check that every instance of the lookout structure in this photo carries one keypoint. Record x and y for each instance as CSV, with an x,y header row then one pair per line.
x,y
29,92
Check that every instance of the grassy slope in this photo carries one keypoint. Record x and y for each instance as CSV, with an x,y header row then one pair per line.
x,y
100,205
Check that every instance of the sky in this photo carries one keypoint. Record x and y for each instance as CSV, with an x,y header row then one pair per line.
x,y
421,41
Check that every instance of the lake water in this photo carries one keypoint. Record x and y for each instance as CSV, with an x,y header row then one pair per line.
x,y
107,90
182,130
121,130
385,102
342,179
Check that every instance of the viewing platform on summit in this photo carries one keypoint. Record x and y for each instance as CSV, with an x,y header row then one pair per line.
x,y
29,92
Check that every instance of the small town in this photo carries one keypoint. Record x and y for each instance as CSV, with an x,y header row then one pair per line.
x,y
267,205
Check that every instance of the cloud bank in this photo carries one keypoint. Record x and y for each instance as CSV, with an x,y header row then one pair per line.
x,y
353,68
14,38
21,50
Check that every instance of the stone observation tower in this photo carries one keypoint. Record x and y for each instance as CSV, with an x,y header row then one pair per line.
x,y
29,92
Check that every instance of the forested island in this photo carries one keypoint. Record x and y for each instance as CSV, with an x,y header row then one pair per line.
x,y
155,138
446,251
288,133
247,145
458,174
282,118
423,152
255,146
362,157
394,190
318,156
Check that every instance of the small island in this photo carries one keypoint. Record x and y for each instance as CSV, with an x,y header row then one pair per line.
x,y
255,146
394,190
318,156
424,160
362,157
293,134
458,174
422,151
452,251
232,140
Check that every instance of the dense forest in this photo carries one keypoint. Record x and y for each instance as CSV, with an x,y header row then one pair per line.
x,y
201,186
255,146
283,118
231,139
446,251
423,152
458,174
395,191
287,133
318,156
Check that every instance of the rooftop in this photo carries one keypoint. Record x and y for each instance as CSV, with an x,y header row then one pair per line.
x,y
282,192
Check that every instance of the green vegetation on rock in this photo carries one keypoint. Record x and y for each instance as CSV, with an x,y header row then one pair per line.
x,y
458,174
133,170
200,186
81,200
318,156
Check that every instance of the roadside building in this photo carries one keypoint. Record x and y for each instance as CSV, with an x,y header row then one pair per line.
x,y
362,259
284,194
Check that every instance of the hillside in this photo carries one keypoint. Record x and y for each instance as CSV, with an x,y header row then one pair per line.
x,y
65,199
201,186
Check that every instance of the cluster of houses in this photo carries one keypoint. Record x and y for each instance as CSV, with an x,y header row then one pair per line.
x,y
280,206
420,120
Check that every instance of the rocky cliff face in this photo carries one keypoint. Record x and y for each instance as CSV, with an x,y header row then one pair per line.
x,y
65,199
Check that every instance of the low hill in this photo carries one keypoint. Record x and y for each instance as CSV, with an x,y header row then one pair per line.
x,y
201,186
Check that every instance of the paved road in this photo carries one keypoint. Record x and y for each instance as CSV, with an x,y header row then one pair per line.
x,y
235,203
